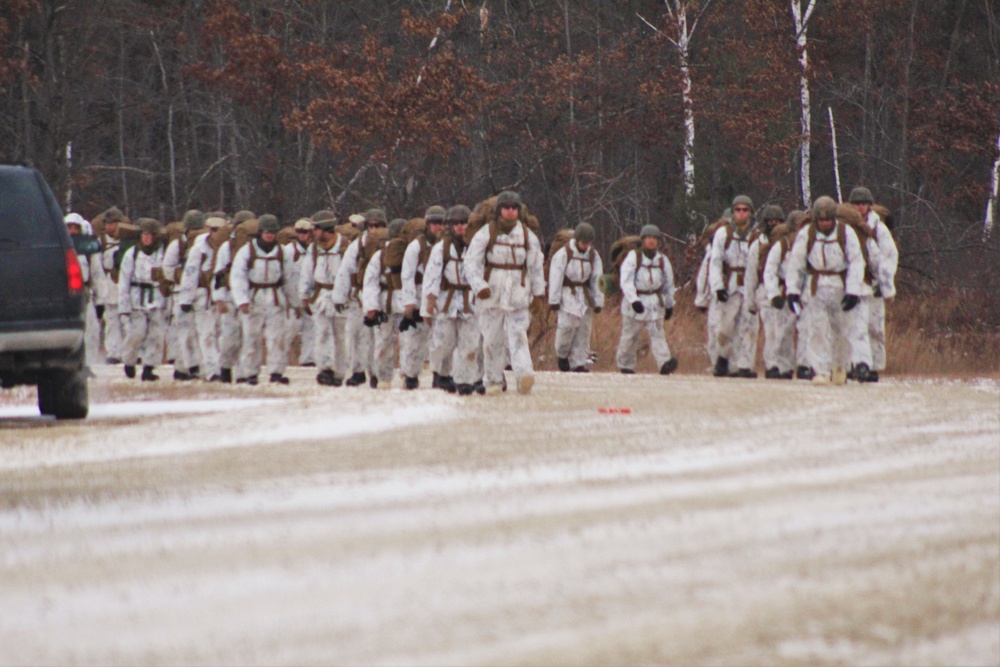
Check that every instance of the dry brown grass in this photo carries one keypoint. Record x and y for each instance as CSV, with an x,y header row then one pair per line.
x,y
951,334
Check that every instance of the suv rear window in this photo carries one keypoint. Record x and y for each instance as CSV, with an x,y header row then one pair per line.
x,y
27,210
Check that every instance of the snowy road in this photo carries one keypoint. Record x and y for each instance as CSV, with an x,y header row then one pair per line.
x,y
721,522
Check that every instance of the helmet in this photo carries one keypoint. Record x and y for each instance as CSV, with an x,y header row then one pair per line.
x,y
113,215
396,227
435,214
215,222
508,198
649,230
861,195
584,232
742,199
824,209
772,212
194,219
268,223
459,213
375,215
149,226
322,216
303,225
326,224
243,216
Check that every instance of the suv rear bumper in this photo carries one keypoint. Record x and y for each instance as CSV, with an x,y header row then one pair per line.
x,y
24,341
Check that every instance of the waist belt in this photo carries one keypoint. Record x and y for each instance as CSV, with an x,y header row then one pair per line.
x,y
319,288
728,271
816,273
451,288
255,287
585,286
523,268
146,295
658,293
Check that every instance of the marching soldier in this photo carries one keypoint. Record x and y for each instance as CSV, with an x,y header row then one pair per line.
x,y
574,296
647,284
504,267
194,296
260,282
415,334
317,275
727,269
141,302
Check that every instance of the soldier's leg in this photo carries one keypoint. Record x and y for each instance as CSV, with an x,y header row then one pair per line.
x,y
324,341
467,351
135,334
206,322
491,324
386,335
876,331
712,332
307,352
252,349
444,338
516,328
820,312
114,333
658,342
566,326
628,344
747,331
728,320
769,319
341,347
187,355
152,344
292,330
275,321
230,340
784,336
579,353
853,327
412,346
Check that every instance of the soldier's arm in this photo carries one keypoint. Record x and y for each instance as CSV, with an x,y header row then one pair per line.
x,y
557,272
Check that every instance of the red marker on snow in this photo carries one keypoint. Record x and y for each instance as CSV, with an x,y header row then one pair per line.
x,y
615,411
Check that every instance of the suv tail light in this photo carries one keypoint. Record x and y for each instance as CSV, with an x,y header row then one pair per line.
x,y
73,273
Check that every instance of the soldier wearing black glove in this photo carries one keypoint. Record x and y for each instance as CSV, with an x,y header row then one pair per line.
x,y
668,313
778,302
722,295
638,307
849,302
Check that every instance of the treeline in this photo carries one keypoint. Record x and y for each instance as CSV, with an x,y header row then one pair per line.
x,y
618,113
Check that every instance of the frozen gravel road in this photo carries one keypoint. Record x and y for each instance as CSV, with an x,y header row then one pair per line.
x,y
723,522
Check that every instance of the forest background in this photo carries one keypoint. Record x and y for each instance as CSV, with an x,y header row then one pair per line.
x,y
614,112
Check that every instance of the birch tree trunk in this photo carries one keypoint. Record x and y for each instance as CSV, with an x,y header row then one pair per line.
x,y
991,205
801,17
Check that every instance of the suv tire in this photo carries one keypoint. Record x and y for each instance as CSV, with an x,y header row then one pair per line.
x,y
67,394
46,393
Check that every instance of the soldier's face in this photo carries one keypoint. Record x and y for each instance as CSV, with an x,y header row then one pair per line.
x,y
741,212
268,237
510,212
863,208
583,246
146,238
825,225
650,243
460,228
435,228
74,230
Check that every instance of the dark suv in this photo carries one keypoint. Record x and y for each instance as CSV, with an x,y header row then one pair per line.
x,y
42,297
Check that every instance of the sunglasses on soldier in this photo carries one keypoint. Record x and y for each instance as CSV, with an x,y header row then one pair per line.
x,y
376,224
741,209
510,206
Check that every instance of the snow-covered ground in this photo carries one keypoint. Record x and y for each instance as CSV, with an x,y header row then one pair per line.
x,y
718,522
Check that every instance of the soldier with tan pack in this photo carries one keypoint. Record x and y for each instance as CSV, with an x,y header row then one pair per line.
x,y
244,226
194,296
187,362
141,303
575,298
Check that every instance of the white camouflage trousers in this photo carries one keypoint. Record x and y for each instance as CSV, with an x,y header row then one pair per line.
x,y
386,338
360,340
208,332
303,328
573,337
330,343
628,345
264,321
779,338
736,336
188,351
455,349
414,344
114,332
834,337
503,330
144,335
230,339
876,330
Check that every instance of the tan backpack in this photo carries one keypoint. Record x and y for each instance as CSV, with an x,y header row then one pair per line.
x,y
608,283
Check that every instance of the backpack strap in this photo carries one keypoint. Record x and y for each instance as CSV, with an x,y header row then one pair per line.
x,y
513,266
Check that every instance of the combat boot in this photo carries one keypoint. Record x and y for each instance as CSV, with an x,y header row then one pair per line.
x,y
356,379
130,372
148,375
721,367
325,377
410,383
278,378
226,375
669,366
563,364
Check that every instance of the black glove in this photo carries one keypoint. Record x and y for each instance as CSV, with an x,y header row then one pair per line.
x,y
405,324
554,307
186,307
778,302
417,318
597,309
638,307
668,313
340,307
878,291
220,280
722,295
99,310
795,303
379,318
849,302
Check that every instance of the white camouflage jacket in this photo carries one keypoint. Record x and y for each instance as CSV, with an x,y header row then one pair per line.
x,y
649,280
510,288
582,269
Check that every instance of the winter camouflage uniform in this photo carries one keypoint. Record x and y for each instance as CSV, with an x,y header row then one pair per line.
x,y
142,304
506,272
736,335
317,276
779,320
187,362
114,332
647,284
300,325
347,298
828,280
573,293
414,342
195,296
447,297
885,273
378,297
758,306
262,290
